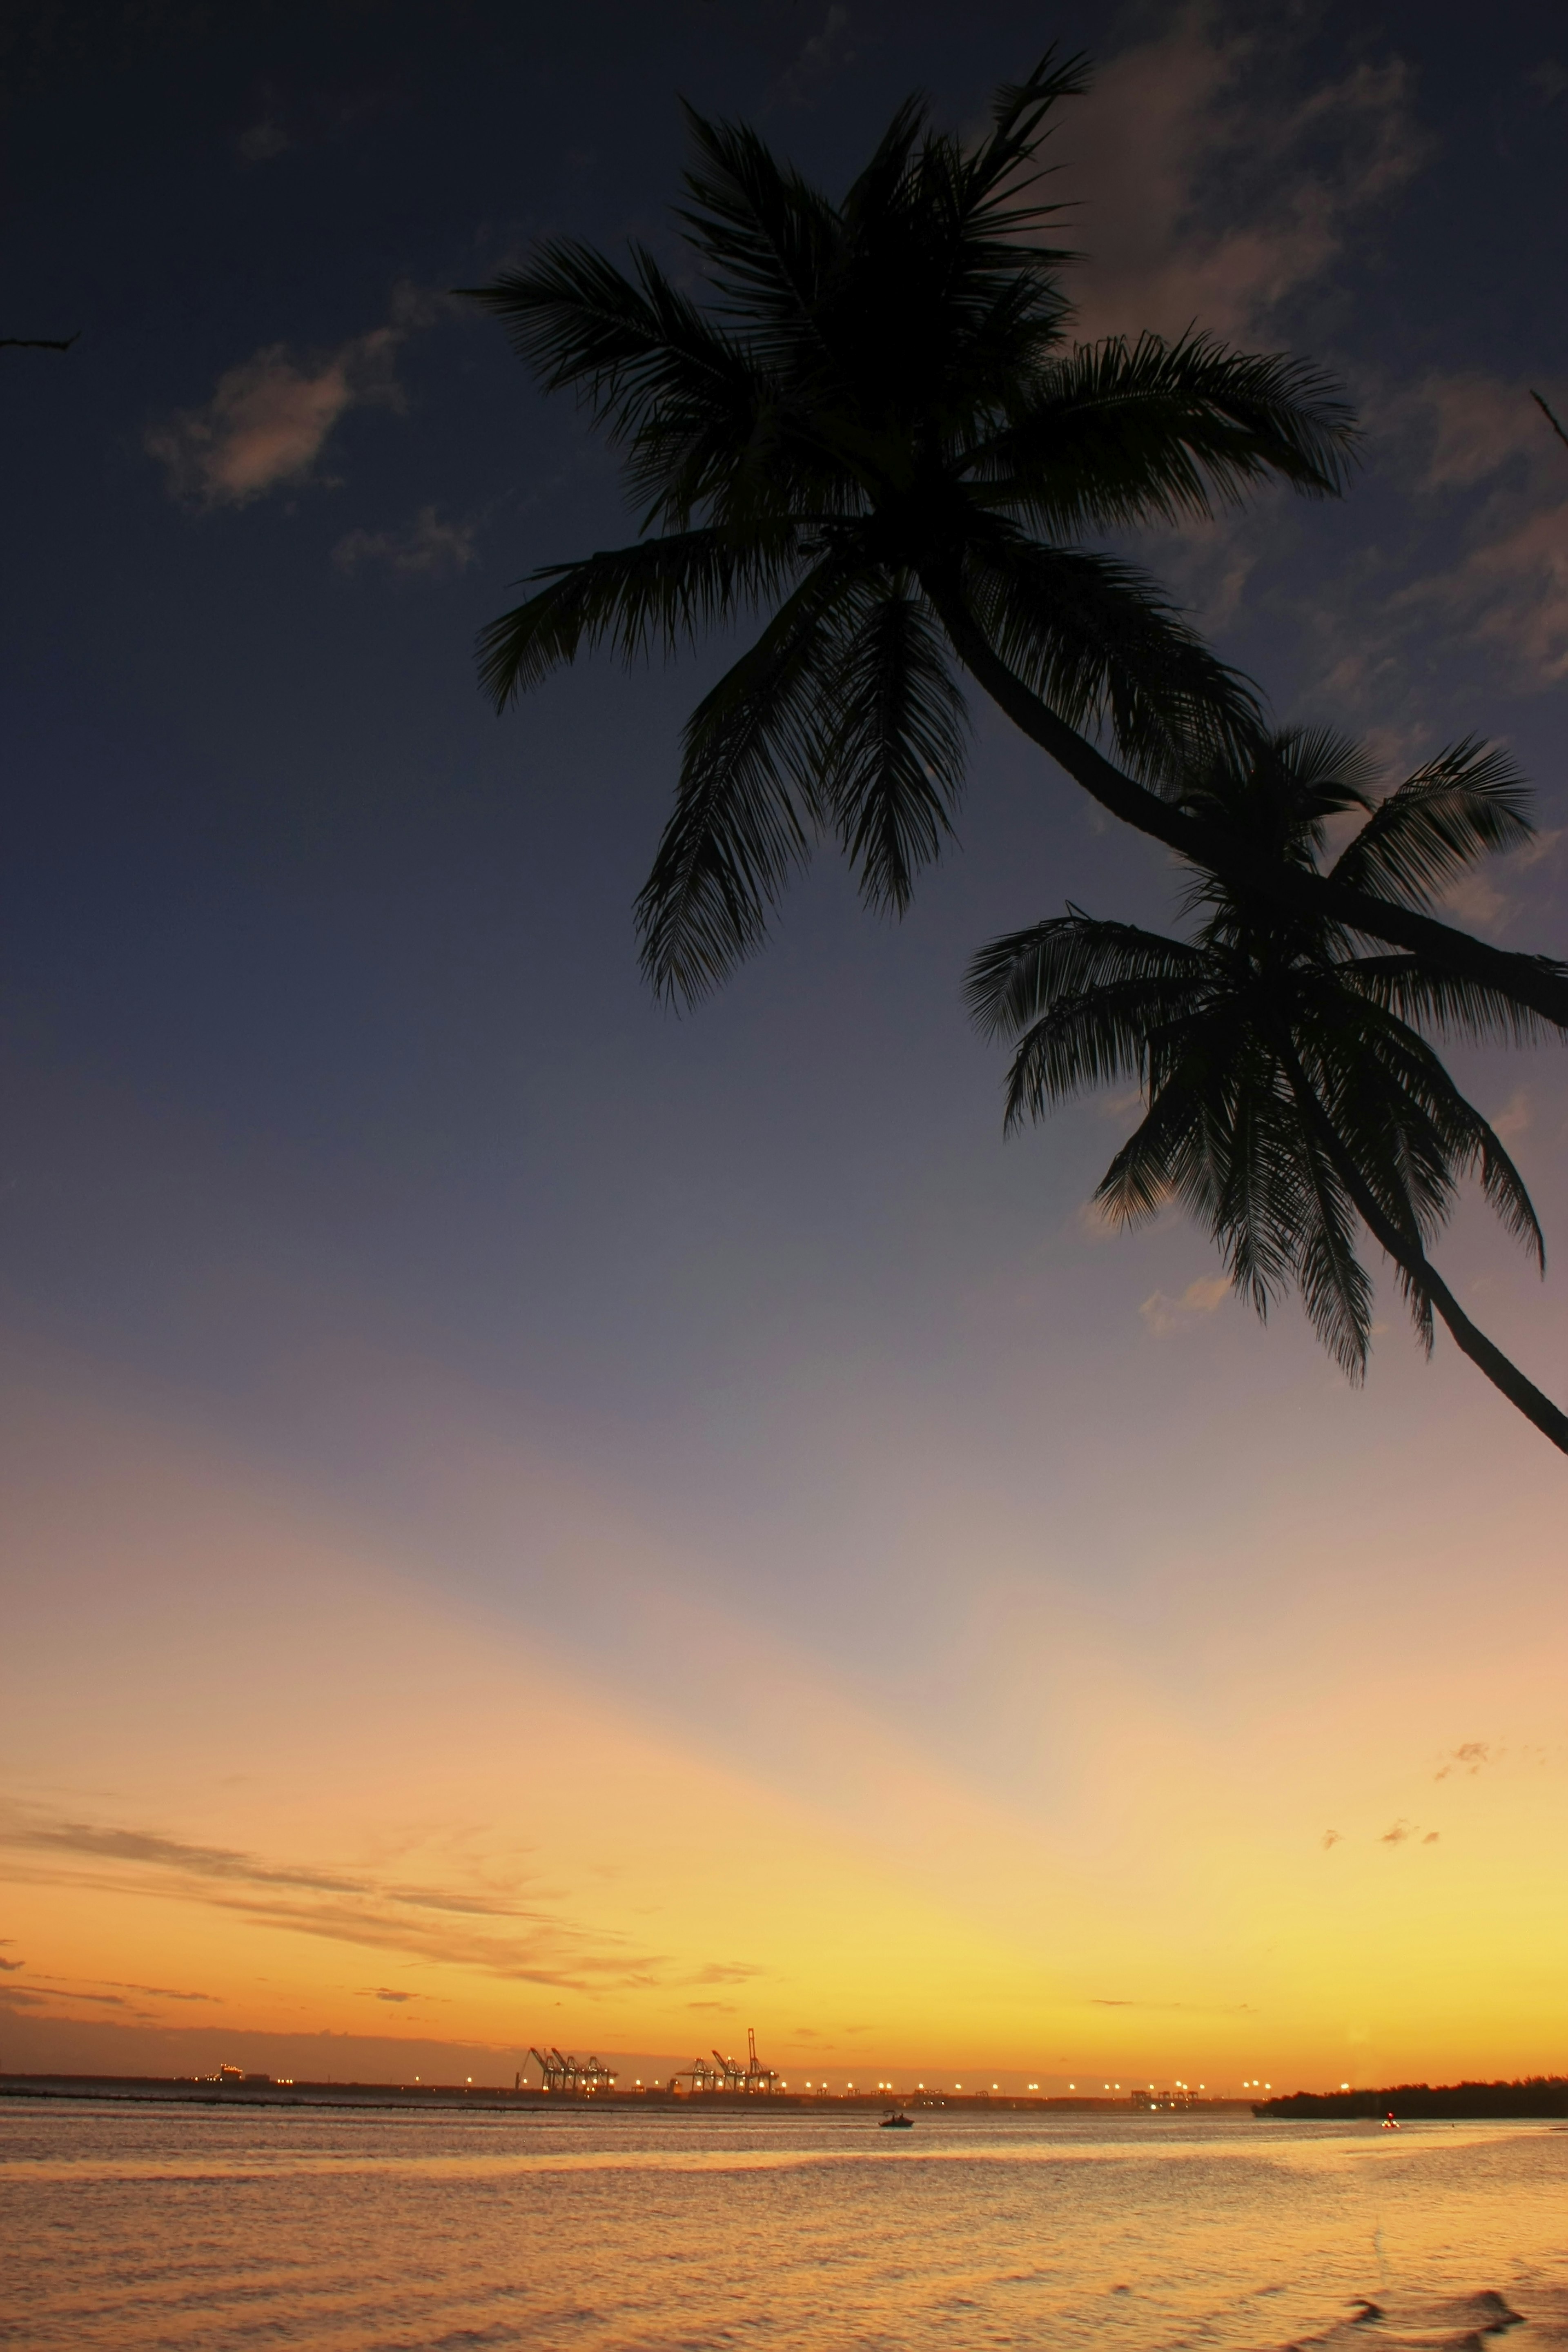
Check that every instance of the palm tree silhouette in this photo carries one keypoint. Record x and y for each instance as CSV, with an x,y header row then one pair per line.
x,y
1289,1087
878,436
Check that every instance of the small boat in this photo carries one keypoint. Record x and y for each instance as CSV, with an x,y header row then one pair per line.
x,y
1389,2124
894,2121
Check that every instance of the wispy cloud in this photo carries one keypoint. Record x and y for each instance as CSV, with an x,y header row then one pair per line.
x,y
260,140
428,547
1515,1117
1206,190
1486,444
165,1992
1170,2008
1469,1757
1163,1314
821,56
268,420
499,1934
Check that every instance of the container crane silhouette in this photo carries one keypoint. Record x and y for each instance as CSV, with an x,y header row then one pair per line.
x,y
561,2072
757,2077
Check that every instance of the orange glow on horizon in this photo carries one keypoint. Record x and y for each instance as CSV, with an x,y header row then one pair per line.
x,y
315,1794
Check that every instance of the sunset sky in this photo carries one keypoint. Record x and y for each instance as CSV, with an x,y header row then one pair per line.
x,y
529,1519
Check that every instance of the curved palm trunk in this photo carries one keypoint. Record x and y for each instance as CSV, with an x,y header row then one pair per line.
x,y
1407,1253
1534,980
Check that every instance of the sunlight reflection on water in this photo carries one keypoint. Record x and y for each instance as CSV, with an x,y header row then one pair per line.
x,y
136,2228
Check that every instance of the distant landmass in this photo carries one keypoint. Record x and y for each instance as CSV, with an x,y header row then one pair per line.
x,y
1538,2094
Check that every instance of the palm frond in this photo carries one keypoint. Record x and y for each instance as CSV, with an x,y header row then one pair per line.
x,y
1164,1156
1470,801
768,236
1335,1289
625,345
748,801
1442,1136
1097,640
1109,1036
995,178
662,592
1255,1213
1016,978
1331,773
892,756
1447,1002
1275,794
1121,434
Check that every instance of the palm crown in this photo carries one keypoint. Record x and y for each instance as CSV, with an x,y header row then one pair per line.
x,y
878,436
1290,1087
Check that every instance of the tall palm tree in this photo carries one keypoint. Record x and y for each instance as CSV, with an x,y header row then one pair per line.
x,y
1289,1087
876,438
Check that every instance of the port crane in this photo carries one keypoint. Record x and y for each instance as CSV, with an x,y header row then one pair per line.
x,y
700,2076
758,2078
561,2072
753,2075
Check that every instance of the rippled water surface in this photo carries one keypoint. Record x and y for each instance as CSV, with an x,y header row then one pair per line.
x,y
128,2227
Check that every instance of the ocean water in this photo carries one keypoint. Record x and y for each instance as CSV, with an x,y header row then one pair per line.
x,y
129,2228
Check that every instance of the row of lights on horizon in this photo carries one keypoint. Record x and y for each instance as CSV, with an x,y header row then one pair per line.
x,y
823,2085
1253,2085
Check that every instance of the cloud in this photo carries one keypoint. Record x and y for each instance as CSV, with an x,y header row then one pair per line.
x,y
1163,1314
10,1967
500,1935
1204,191
1332,1838
426,546
1469,1757
1092,1219
269,418
261,142
822,56
1486,439
1515,1117
1170,2008
165,1992
384,1992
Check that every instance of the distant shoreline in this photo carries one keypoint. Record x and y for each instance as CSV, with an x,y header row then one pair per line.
x,y
167,2090
1542,2098
1536,2094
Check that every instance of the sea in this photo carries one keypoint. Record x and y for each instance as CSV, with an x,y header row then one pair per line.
x,y
125,2228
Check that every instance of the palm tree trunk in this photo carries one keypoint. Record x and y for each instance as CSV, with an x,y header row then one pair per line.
x,y
1536,980
1407,1253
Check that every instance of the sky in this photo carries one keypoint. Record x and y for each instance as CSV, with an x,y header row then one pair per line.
x,y
529,1519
